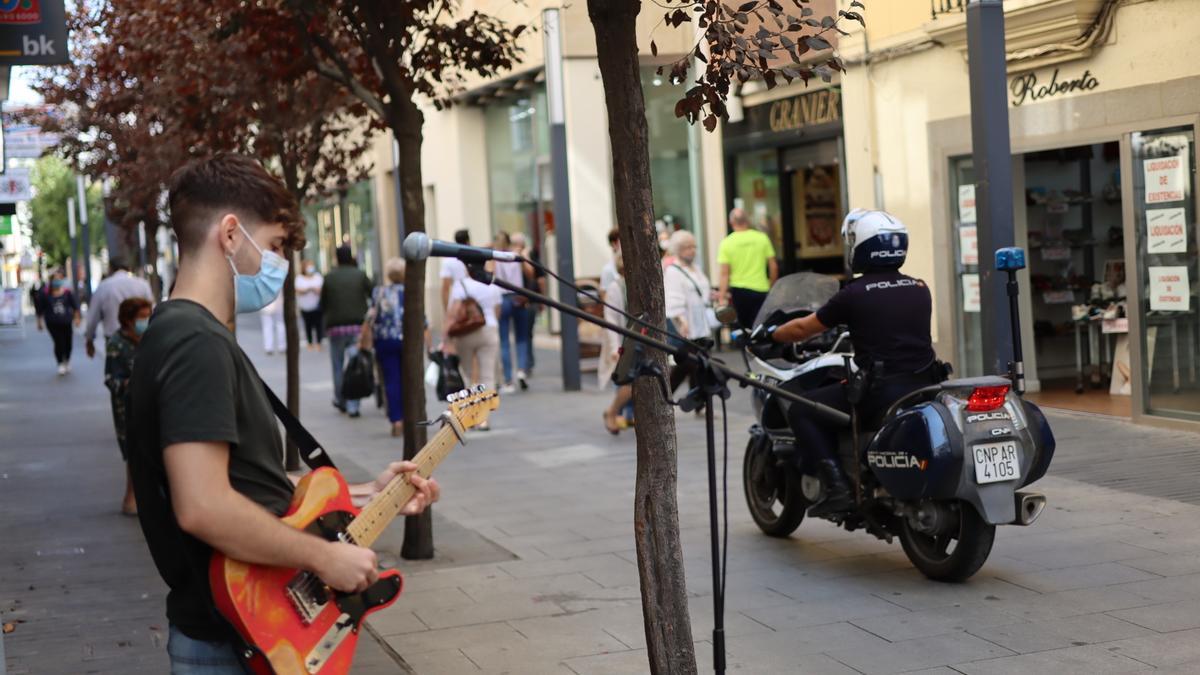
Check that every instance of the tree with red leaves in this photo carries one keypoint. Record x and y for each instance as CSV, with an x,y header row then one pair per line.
x,y
153,85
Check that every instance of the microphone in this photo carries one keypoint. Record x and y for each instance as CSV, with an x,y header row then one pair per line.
x,y
418,246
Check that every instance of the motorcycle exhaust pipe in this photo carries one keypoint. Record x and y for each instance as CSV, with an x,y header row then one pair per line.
x,y
1029,506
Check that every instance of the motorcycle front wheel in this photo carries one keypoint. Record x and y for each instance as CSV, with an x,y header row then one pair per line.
x,y
950,557
773,493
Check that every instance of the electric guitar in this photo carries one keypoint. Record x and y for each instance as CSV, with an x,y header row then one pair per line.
x,y
290,621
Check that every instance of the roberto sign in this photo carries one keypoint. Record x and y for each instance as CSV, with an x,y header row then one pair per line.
x,y
33,32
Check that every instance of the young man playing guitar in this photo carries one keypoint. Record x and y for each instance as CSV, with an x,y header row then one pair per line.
x,y
205,449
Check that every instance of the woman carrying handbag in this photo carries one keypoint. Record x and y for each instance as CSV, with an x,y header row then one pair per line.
x,y
473,326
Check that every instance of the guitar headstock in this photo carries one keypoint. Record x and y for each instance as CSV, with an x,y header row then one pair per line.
x,y
471,407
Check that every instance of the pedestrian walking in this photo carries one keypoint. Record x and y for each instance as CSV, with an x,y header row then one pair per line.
x,y
133,318
274,334
515,319
104,307
385,323
59,315
473,327
688,300
205,450
308,298
748,267
617,414
453,270
608,273
344,296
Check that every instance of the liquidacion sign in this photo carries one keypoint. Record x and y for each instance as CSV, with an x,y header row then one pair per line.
x,y
1026,88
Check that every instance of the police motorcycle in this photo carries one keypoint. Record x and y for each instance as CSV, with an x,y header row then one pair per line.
x,y
943,468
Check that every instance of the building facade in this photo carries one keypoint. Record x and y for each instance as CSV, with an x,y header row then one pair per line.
x,y
1104,99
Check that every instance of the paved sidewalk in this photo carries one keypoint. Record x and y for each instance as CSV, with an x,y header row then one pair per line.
x,y
535,569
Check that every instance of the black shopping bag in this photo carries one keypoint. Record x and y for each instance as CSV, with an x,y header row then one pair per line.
x,y
358,381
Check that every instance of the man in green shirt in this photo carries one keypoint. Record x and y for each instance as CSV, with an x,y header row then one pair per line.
x,y
748,267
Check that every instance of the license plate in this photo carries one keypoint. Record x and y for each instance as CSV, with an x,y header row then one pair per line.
x,y
995,462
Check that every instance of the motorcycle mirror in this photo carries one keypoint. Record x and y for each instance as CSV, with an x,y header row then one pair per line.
x,y
726,314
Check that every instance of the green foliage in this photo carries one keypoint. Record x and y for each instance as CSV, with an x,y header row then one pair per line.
x,y
54,183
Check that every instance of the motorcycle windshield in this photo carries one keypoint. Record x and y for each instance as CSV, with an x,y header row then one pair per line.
x,y
802,290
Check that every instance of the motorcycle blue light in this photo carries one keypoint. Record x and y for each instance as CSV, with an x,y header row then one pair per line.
x,y
984,399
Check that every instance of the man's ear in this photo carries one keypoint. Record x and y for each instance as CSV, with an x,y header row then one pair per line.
x,y
229,235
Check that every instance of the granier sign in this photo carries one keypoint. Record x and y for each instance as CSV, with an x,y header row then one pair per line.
x,y
33,32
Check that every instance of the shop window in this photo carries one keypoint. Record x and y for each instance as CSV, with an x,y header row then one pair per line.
x,y
518,161
670,173
1165,226
758,192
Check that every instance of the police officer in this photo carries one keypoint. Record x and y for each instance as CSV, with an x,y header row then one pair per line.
x,y
888,316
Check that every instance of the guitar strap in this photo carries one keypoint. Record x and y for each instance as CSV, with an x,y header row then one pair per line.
x,y
311,451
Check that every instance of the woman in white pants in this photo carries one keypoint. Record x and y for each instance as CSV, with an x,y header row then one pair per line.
x,y
274,336
484,342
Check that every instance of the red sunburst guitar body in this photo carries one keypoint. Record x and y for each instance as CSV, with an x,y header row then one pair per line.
x,y
289,620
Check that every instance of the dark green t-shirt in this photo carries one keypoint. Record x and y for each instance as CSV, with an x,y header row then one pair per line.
x,y
192,382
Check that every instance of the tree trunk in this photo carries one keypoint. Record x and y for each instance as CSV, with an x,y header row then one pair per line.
x,y
291,181
655,514
405,120
292,333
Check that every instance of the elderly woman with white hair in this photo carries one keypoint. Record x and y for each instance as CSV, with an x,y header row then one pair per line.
x,y
689,296
386,320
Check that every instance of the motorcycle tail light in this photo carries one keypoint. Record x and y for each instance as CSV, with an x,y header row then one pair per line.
x,y
984,399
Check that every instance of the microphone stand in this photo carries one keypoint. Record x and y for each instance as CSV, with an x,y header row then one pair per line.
x,y
712,375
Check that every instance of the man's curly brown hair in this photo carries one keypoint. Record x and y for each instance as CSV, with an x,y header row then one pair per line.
x,y
204,189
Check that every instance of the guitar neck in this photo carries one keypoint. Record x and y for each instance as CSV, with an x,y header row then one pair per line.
x,y
385,506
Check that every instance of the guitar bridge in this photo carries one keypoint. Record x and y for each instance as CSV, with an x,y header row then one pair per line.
x,y
308,595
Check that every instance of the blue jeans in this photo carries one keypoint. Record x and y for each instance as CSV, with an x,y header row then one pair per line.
x,y
388,354
519,317
342,347
197,657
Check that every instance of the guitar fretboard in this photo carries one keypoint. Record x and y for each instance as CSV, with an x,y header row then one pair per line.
x,y
386,505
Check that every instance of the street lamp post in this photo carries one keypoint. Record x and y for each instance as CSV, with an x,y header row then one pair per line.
x,y
569,329
992,155
74,266
87,239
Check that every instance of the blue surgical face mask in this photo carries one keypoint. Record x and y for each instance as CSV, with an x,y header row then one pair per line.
x,y
58,283
255,291
140,326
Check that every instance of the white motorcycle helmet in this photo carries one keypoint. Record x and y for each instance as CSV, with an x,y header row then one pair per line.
x,y
874,239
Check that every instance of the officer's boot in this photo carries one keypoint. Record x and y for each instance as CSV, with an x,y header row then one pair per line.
x,y
837,492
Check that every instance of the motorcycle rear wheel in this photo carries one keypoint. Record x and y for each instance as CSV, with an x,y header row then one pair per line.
x,y
773,493
953,557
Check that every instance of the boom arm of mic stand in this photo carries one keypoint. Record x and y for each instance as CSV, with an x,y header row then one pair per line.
x,y
680,353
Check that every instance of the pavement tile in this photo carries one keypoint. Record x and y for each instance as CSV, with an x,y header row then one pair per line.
x,y
1167,565
911,590
441,662
920,653
1039,607
1166,589
395,620
496,609
1161,650
1075,631
557,586
800,614
1088,660
536,568
930,622
1071,556
810,664
452,638
1084,576
1164,618
779,647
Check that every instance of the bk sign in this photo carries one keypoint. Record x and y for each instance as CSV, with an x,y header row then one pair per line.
x,y
32,32
15,12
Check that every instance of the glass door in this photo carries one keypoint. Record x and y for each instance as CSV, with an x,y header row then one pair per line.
x,y
1164,176
966,267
